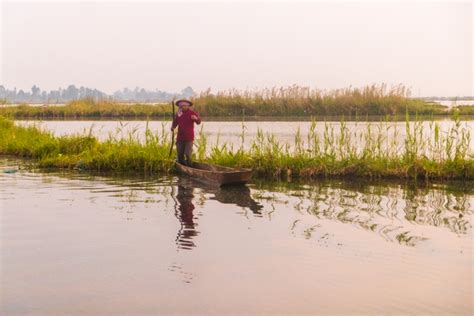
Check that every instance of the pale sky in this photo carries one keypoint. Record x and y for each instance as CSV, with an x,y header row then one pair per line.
x,y
170,45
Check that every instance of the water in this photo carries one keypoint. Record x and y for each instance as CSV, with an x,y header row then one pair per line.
x,y
448,103
451,103
230,132
75,243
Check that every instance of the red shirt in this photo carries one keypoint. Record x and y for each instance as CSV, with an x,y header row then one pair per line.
x,y
185,124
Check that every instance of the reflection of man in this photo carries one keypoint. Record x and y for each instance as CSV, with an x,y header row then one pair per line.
x,y
186,217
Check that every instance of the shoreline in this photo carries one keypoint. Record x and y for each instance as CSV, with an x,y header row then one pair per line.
x,y
451,185
261,118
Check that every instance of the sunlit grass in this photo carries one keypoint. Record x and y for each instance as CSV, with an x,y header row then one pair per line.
x,y
373,152
375,100
88,108
297,100
84,151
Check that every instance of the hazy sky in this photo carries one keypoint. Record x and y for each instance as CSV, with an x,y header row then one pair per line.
x,y
111,45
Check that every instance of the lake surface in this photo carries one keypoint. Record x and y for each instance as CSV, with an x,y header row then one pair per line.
x,y
451,103
81,244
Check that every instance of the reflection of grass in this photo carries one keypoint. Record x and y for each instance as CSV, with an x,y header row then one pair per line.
x,y
372,153
405,239
308,232
386,209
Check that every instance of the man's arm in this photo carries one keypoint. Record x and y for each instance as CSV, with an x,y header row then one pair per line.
x,y
174,124
197,119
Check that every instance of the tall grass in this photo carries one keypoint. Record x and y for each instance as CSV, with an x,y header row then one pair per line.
x,y
88,108
373,152
297,100
84,151
463,109
285,101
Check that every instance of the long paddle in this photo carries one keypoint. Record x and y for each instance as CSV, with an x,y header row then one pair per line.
x,y
172,132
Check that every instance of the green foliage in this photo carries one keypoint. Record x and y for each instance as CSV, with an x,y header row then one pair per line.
x,y
463,110
85,151
88,108
300,101
373,152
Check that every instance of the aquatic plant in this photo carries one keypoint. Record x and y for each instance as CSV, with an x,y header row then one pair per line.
x,y
296,100
463,109
84,151
373,152
88,108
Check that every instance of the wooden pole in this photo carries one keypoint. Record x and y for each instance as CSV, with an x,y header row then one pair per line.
x,y
172,133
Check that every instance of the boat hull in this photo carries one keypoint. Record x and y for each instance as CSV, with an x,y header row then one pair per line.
x,y
217,175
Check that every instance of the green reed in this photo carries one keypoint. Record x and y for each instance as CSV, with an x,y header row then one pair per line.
x,y
296,100
371,151
88,108
84,151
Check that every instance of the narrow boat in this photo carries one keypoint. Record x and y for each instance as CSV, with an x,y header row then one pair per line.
x,y
214,174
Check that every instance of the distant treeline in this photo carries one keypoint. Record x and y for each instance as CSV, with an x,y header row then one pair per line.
x,y
375,100
36,95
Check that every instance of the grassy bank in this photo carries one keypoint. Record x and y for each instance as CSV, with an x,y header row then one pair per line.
x,y
84,151
373,153
377,100
464,109
88,108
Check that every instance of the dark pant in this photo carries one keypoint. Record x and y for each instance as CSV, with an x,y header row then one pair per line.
x,y
184,149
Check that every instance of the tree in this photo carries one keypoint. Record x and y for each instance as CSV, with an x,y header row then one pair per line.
x,y
35,91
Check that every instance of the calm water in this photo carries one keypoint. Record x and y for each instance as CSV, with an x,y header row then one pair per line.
x,y
230,132
74,243
454,103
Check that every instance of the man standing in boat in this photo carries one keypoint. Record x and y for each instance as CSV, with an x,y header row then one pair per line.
x,y
184,120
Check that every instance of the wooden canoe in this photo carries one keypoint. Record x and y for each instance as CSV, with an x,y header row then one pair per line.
x,y
214,174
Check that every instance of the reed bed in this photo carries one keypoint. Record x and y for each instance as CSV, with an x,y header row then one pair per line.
x,y
425,153
88,108
296,100
463,109
375,100
84,151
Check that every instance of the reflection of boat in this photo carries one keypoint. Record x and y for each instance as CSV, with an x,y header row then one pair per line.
x,y
184,206
215,174
237,195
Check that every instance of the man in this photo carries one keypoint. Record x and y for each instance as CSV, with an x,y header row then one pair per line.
x,y
184,120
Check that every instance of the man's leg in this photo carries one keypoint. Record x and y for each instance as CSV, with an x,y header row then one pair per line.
x,y
188,152
180,151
